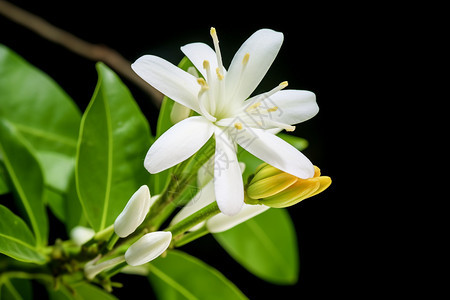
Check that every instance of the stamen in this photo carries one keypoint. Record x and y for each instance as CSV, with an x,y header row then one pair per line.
x,y
253,106
273,91
217,49
287,127
275,108
206,64
201,104
238,125
203,83
219,75
246,58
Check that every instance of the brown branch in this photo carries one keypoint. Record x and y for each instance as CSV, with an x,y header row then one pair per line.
x,y
91,51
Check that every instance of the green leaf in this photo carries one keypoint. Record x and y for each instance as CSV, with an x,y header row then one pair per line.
x,y
15,289
114,138
16,240
266,246
26,177
45,116
80,291
43,113
4,184
181,276
160,179
298,142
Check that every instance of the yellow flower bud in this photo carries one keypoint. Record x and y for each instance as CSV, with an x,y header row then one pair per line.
x,y
275,188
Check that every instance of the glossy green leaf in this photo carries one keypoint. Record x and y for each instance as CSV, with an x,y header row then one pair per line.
x,y
266,246
15,288
42,112
298,142
80,291
4,183
26,177
16,239
159,180
114,138
45,116
181,276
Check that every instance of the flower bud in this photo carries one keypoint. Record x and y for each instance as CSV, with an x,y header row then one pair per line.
x,y
148,247
81,235
134,212
275,188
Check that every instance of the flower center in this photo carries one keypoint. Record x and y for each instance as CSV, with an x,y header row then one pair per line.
x,y
213,102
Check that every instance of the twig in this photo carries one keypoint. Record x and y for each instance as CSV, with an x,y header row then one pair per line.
x,y
91,51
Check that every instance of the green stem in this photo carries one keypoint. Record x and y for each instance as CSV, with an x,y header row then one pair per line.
x,y
194,219
191,236
182,177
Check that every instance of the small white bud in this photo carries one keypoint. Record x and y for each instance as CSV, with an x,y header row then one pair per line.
x,y
134,212
148,247
222,222
81,235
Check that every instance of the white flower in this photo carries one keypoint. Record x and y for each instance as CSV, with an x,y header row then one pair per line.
x,y
220,100
134,212
148,247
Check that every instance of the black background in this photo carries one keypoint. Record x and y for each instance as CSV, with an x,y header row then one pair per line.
x,y
335,51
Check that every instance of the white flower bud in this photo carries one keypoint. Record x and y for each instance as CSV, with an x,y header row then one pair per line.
x,y
222,222
134,212
81,235
148,247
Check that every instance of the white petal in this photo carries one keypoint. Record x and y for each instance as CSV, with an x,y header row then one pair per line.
x,y
81,235
293,106
275,151
263,47
148,247
199,52
170,80
134,212
221,222
228,184
178,143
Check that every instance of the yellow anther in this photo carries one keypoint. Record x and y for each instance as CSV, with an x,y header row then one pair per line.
x,y
284,84
275,108
246,58
203,83
213,33
290,128
253,106
238,125
219,75
205,64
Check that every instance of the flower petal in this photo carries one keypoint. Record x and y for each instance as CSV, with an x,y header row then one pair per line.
x,y
290,106
134,212
221,222
242,79
275,151
178,143
170,80
148,247
199,52
228,184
